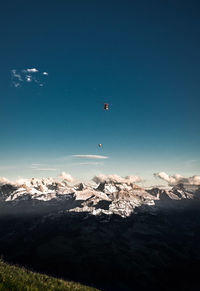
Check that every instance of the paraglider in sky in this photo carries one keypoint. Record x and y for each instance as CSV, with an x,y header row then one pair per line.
x,y
99,145
105,106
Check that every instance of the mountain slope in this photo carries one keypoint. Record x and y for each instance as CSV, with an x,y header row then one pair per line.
x,y
115,236
16,278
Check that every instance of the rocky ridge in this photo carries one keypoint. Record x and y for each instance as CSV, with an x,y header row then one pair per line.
x,y
106,198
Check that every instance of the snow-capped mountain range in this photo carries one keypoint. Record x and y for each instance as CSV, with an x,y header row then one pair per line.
x,y
106,198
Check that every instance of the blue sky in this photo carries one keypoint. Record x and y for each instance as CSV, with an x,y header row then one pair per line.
x,y
142,57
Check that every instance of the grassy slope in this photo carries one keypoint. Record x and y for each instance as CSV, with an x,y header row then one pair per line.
x,y
17,278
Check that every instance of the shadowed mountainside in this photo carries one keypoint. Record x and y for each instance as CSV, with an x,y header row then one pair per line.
x,y
158,250
117,236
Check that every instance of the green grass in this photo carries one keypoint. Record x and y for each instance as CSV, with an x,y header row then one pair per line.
x,y
14,278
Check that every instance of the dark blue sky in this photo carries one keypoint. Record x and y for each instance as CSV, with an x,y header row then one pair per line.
x,y
142,57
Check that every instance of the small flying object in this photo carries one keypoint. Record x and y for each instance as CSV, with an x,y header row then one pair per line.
x,y
105,106
99,145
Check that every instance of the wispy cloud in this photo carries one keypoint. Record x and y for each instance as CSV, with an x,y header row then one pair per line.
x,y
28,78
33,70
91,163
35,165
9,167
30,75
16,75
38,167
16,78
90,156
45,169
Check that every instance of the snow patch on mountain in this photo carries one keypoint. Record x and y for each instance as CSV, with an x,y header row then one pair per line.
x,y
110,196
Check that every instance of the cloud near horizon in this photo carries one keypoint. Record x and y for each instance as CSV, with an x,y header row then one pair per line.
x,y
178,179
116,179
66,177
3,180
90,156
101,178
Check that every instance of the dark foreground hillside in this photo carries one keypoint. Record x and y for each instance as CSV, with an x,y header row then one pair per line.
x,y
13,278
150,250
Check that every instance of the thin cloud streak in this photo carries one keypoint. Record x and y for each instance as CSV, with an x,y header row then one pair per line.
x,y
90,157
36,165
44,169
90,163
41,167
